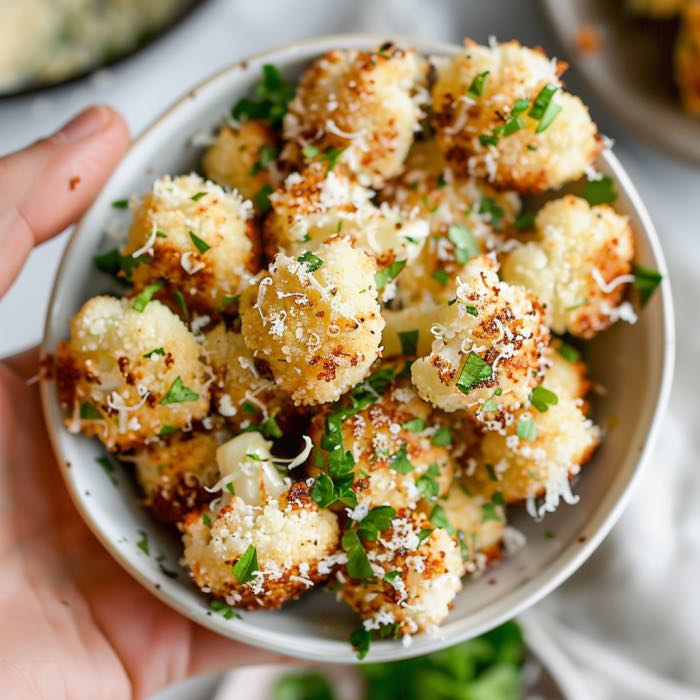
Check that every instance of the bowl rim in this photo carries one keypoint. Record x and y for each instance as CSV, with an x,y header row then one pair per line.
x,y
563,565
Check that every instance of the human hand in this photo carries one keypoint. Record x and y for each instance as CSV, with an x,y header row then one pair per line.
x,y
74,624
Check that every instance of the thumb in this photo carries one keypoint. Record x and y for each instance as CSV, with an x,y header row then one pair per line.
x,y
47,186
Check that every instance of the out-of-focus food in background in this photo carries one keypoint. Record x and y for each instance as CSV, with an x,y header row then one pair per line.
x,y
44,42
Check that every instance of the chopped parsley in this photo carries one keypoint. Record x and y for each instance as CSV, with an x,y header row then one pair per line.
x,y
471,309
415,425
273,95
440,276
377,520
438,517
427,486
442,437
142,544
178,393
400,462
156,351
474,372
120,203
331,156
206,519
181,304
198,196
247,565
600,191
310,151
646,281
526,429
108,469
267,154
388,273
262,198
409,342
491,472
391,576
545,109
542,398
360,638
167,430
358,562
577,305
119,266
424,534
550,534
89,412
478,85
226,611
525,222
310,261
491,404
495,213
146,295
226,301
199,244
569,352
490,512
464,242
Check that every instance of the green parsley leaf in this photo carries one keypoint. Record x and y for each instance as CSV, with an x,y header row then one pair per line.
x,y
474,372
198,196
119,266
415,425
391,576
156,352
569,352
310,151
646,281
108,469
270,427
377,520
525,222
464,242
167,430
400,462
310,261
179,393
542,398
409,342
199,244
323,491
478,85
428,487
181,304
358,563
120,203
493,211
206,519
244,568
332,155
424,534
226,611
438,517
490,512
491,472
262,198
526,429
550,534
142,544
545,109
600,191
440,276
267,154
139,303
442,437
471,309
273,93
497,498
226,301
388,273
488,139
577,305
160,234
361,639
89,412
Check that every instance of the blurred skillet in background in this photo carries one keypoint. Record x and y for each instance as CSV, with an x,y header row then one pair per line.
x,y
45,43
627,59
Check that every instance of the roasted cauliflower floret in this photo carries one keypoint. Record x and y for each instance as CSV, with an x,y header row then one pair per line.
x,y
478,525
465,217
243,392
197,237
317,204
487,353
243,158
564,374
130,371
416,572
398,445
174,473
315,320
687,58
500,113
539,452
268,543
366,104
578,265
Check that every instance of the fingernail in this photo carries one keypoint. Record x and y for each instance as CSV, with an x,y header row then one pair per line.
x,y
86,124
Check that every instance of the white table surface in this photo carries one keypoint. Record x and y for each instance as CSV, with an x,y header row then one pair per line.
x,y
634,608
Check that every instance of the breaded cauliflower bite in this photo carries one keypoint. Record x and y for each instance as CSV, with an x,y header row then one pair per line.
x,y
197,237
267,544
367,104
487,353
243,392
400,446
500,113
174,473
317,204
243,158
538,454
687,58
578,265
315,320
465,215
417,573
130,372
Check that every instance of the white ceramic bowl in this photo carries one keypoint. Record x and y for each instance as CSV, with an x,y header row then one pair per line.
x,y
633,362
